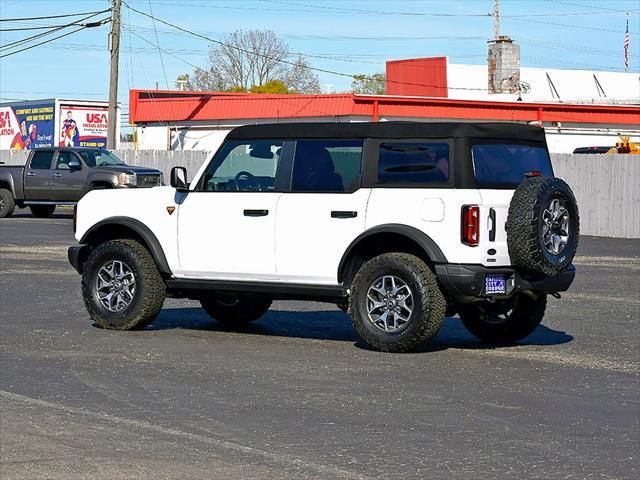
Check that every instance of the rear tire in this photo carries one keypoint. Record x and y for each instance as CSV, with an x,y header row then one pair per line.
x,y
505,321
235,309
396,303
134,269
42,211
7,203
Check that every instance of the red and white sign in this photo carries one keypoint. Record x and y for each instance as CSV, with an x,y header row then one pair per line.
x,y
83,126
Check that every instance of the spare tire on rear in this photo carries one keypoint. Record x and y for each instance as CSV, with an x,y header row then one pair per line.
x,y
543,226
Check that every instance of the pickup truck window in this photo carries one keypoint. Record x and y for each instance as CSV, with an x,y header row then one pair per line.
x,y
41,160
63,160
99,158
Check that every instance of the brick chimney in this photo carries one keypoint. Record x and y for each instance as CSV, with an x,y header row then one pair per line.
x,y
504,65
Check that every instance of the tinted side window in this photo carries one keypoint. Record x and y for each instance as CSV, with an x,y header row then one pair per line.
x,y
62,163
326,165
41,160
244,166
413,163
504,165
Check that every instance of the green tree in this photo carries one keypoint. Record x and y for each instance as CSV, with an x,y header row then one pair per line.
x,y
369,84
272,86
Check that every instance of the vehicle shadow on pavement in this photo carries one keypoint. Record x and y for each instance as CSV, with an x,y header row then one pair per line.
x,y
335,326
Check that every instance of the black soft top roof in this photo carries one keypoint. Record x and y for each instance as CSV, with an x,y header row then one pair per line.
x,y
284,131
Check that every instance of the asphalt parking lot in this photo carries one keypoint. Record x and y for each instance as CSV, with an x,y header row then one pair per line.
x,y
297,396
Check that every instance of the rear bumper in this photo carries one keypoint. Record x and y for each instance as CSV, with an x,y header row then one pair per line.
x,y
77,255
466,283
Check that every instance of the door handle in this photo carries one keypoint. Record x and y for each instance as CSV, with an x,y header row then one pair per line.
x,y
492,230
256,213
343,214
31,174
57,174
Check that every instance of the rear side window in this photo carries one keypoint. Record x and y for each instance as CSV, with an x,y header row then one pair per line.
x,y
413,163
505,165
41,160
327,165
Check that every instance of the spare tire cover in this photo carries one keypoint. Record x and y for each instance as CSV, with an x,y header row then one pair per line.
x,y
543,226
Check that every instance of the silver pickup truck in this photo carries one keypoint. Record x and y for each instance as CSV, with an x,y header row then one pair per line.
x,y
62,176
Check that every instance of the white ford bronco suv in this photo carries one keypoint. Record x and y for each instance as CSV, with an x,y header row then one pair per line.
x,y
398,223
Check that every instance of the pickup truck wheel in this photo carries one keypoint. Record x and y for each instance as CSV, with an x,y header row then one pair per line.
x,y
504,321
396,303
42,211
543,226
7,203
121,285
235,309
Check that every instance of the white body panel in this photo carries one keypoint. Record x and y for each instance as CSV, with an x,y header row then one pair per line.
x,y
437,213
216,240
147,205
498,200
309,242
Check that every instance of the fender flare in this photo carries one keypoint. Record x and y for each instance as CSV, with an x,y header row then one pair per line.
x,y
422,239
141,229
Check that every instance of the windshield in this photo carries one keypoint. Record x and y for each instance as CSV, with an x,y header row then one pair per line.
x,y
506,165
99,158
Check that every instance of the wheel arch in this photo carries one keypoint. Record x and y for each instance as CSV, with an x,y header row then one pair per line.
x,y
384,239
124,227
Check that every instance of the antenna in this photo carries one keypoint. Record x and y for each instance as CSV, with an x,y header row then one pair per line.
x,y
496,19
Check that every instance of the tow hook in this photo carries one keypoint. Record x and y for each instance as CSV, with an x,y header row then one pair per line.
x,y
556,295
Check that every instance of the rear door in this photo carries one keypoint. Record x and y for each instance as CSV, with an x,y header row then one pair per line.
x,y
37,175
323,212
67,185
499,167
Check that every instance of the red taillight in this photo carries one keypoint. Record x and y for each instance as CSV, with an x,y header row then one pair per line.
x,y
470,225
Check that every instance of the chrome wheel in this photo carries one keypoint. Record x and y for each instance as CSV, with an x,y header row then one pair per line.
x,y
389,303
115,285
2,204
555,227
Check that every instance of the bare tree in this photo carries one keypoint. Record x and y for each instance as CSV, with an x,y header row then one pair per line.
x,y
247,59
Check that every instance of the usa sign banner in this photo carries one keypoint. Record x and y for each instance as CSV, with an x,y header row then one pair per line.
x,y
83,126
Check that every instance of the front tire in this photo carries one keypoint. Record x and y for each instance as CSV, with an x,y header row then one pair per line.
x,y
7,203
121,285
42,211
235,309
396,303
505,321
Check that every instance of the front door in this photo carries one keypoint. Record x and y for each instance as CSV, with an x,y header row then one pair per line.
x,y
67,185
226,223
323,213
37,176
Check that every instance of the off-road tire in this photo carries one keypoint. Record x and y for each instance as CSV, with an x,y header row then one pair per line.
x,y
429,304
235,310
524,226
483,321
7,203
42,211
150,287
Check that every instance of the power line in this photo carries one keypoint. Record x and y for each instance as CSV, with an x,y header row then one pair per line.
x,y
280,60
53,30
102,22
48,17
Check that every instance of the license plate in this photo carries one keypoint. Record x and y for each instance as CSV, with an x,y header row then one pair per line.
x,y
495,284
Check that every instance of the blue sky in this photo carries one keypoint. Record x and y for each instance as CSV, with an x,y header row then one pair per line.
x,y
357,36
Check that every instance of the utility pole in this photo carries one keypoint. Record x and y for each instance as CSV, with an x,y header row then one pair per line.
x,y
496,19
114,47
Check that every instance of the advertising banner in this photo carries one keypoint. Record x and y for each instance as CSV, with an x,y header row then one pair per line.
x,y
83,126
26,126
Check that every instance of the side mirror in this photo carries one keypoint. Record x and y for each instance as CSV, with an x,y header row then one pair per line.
x,y
179,179
74,164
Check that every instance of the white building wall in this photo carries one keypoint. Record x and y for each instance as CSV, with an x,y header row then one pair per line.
x,y
470,82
